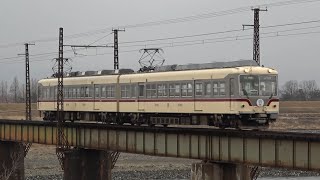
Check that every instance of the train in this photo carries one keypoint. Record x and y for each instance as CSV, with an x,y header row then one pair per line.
x,y
226,95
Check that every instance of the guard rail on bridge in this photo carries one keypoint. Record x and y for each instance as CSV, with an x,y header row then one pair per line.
x,y
258,148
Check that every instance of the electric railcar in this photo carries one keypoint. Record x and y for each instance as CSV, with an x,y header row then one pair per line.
x,y
237,97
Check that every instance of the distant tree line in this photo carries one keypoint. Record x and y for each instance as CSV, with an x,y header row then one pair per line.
x,y
300,91
14,91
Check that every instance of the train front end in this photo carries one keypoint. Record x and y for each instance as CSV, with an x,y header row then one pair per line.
x,y
259,86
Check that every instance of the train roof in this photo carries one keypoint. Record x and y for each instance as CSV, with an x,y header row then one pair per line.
x,y
213,73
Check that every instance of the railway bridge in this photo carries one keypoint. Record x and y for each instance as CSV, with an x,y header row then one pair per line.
x,y
225,154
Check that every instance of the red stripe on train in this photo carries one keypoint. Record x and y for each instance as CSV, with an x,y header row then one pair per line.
x,y
154,100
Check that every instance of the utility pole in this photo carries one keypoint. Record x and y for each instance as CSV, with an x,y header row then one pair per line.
x,y
256,34
62,142
28,92
116,49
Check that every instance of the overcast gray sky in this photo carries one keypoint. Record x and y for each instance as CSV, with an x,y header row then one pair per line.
x,y
295,57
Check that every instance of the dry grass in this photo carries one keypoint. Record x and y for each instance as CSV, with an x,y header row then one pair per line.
x,y
17,111
300,107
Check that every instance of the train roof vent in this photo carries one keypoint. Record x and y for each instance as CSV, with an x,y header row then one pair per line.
x,y
106,72
90,73
214,65
126,71
73,74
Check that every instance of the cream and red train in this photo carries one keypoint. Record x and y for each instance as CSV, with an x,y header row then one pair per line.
x,y
244,96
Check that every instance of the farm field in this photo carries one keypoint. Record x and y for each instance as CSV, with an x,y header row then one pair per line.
x,y
41,162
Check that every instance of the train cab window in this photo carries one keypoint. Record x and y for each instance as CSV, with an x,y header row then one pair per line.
x,y
222,89
97,92
103,92
141,90
133,91
207,89
198,89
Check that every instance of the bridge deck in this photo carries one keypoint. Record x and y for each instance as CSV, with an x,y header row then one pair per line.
x,y
262,148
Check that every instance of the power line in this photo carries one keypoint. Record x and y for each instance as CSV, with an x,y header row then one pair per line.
x,y
43,55
169,21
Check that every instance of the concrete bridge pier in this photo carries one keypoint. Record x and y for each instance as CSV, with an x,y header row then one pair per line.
x,y
87,164
11,161
219,171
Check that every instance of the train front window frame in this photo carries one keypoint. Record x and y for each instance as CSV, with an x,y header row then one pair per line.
x,y
258,85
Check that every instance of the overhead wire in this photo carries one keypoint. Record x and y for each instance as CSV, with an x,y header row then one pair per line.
x,y
169,21
6,59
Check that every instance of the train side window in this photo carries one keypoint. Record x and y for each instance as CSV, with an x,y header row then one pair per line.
x,y
91,91
45,90
162,90
133,90
74,92
125,91
97,91
172,90
103,91
87,92
110,91
70,92
51,96
198,89
151,90
141,90
78,93
186,90
128,91
215,89
222,89
190,90
207,88
55,92
82,92
65,92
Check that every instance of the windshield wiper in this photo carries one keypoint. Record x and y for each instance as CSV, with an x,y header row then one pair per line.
x,y
271,96
245,93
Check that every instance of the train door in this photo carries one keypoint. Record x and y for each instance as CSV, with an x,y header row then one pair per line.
x,y
96,97
198,95
141,96
231,94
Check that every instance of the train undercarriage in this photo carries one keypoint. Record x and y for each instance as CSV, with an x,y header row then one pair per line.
x,y
251,121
